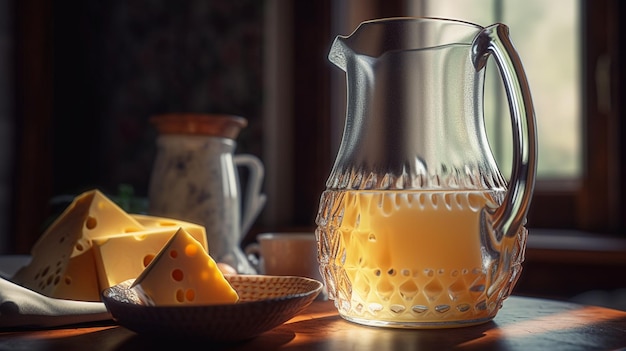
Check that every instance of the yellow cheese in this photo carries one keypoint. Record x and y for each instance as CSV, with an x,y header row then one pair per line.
x,y
78,281
183,273
150,221
62,264
153,222
125,256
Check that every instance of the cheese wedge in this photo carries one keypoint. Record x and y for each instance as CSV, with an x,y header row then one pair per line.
x,y
125,256
62,264
183,273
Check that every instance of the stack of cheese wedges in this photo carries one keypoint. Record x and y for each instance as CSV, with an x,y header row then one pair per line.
x,y
95,244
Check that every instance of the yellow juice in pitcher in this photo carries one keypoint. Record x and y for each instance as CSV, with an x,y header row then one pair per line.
x,y
403,257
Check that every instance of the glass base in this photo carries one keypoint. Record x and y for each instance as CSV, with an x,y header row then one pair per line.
x,y
417,324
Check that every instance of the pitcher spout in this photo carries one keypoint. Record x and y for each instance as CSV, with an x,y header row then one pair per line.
x,y
404,93
337,54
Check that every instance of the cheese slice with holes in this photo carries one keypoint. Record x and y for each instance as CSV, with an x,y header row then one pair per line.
x,y
62,264
124,256
183,273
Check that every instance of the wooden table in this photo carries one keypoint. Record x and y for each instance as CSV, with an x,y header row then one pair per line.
x,y
523,324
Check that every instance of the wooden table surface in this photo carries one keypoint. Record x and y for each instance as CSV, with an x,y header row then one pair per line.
x,y
523,324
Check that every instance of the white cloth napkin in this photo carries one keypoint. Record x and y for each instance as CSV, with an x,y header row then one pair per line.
x,y
22,307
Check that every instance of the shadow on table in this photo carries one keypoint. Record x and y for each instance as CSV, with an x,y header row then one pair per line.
x,y
344,335
270,340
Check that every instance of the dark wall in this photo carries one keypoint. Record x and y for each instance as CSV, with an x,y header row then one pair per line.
x,y
116,63
89,74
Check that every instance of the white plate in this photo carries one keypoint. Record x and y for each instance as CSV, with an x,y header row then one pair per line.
x,y
265,302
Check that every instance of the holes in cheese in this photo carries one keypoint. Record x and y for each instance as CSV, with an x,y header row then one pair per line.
x,y
147,259
91,223
183,296
140,237
95,244
178,275
190,294
191,250
124,256
183,273
67,246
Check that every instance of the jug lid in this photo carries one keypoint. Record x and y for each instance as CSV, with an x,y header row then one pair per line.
x,y
217,125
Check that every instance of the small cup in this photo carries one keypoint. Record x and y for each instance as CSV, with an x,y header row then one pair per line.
x,y
285,254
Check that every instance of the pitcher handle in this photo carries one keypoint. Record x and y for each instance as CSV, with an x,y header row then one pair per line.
x,y
254,200
511,214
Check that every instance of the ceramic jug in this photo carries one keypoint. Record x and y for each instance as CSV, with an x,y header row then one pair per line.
x,y
195,177
417,226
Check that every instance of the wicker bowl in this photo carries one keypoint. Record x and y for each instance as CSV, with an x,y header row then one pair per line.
x,y
265,302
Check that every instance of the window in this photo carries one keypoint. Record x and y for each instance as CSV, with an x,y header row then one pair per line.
x,y
546,36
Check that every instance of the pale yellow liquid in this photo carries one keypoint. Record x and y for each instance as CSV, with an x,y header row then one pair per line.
x,y
407,257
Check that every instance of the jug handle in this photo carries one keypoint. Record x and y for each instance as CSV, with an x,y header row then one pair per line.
x,y
254,200
511,214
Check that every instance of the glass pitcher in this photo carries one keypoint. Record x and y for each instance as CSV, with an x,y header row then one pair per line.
x,y
417,227
195,178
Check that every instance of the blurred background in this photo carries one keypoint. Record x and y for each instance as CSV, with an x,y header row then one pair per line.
x,y
79,81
